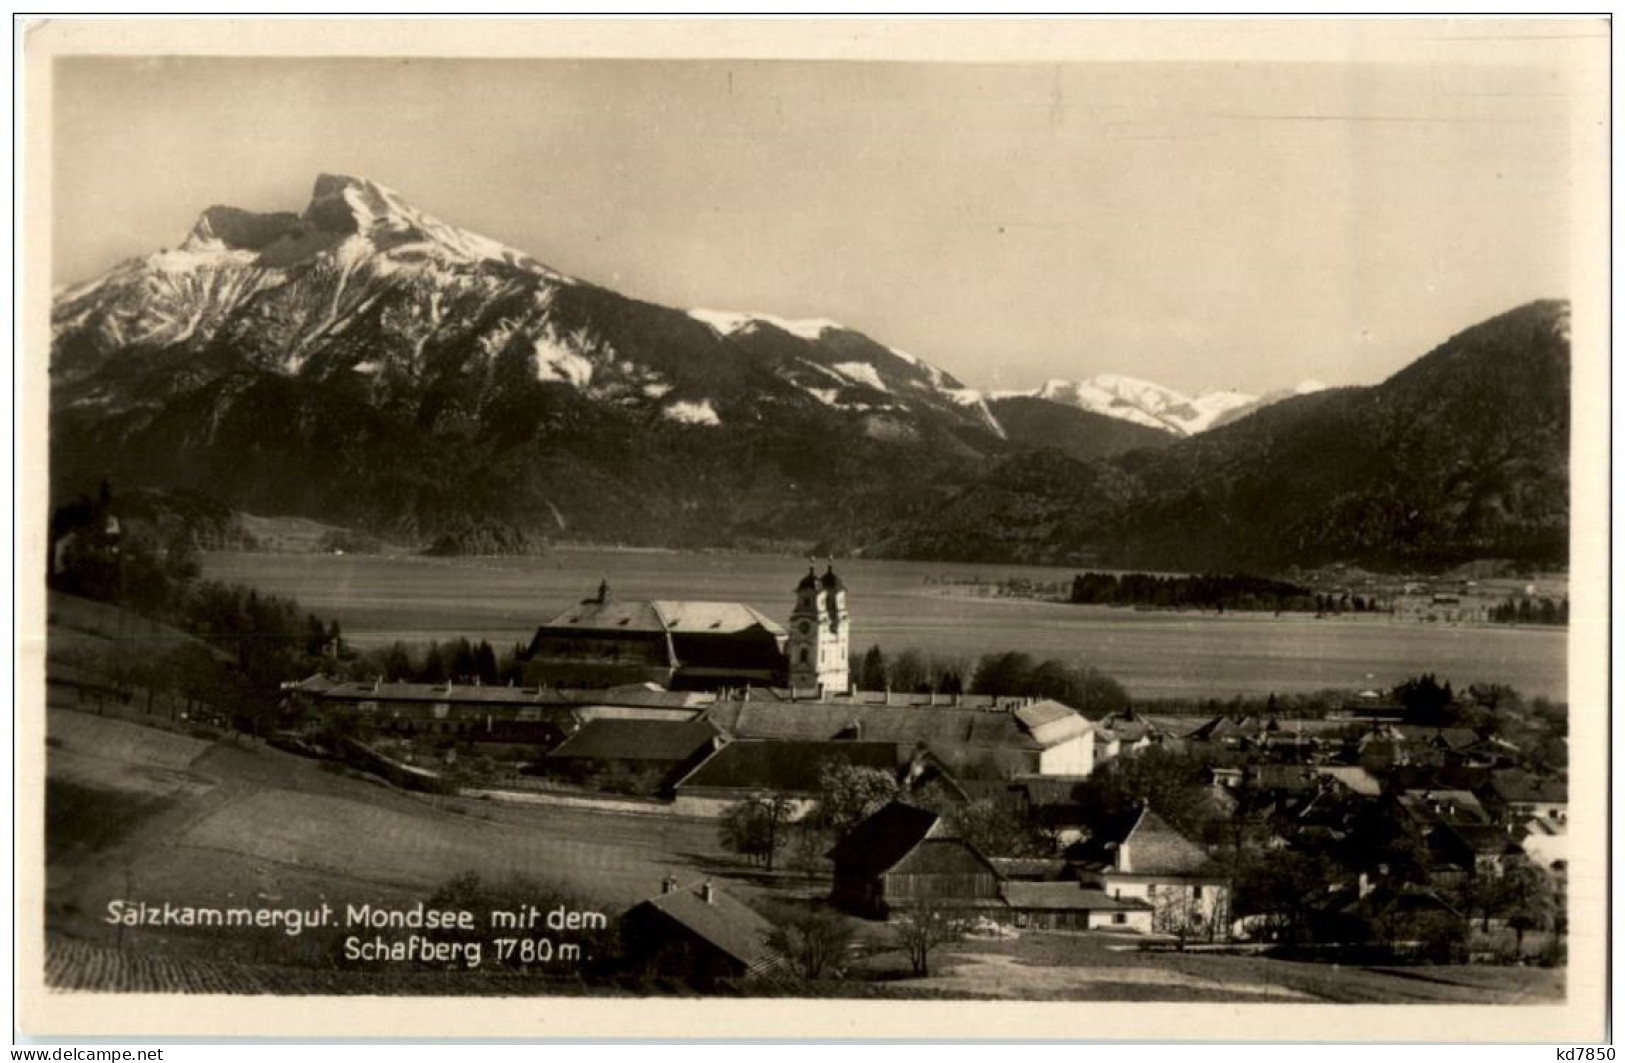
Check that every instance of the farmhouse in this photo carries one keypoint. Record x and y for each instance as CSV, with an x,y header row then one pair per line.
x,y
1141,857
1125,732
697,933
1071,906
903,856
1474,848
1522,795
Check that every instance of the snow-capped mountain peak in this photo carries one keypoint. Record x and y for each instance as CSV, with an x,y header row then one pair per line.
x,y
1153,405
347,216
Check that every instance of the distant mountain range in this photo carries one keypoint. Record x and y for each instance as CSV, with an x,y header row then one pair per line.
x,y
365,364
1462,455
1154,406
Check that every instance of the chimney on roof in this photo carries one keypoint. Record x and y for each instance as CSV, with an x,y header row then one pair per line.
x,y
707,894
668,884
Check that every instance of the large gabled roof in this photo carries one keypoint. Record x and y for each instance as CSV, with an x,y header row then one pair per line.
x,y
790,767
1356,778
724,921
684,617
941,728
613,614
1050,723
636,740
1140,842
673,616
636,695
1527,787
880,841
1066,896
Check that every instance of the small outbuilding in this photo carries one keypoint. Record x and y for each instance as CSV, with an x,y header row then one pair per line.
x,y
697,933
1071,906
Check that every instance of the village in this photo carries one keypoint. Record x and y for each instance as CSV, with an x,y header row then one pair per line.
x,y
1419,824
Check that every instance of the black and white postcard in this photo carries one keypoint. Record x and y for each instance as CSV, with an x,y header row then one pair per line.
x,y
957,527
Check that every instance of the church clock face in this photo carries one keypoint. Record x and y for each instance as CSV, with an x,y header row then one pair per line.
x,y
804,627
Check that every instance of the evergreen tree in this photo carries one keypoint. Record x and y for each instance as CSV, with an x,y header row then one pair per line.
x,y
872,673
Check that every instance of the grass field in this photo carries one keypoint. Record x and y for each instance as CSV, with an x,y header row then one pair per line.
x,y
1086,966
139,813
76,625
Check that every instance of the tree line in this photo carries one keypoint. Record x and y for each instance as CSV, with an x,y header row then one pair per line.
x,y
243,644
1530,611
1217,593
1003,674
457,660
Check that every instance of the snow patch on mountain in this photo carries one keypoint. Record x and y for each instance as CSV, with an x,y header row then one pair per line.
x,y
1210,406
181,260
700,413
861,373
556,361
1105,395
977,403
730,322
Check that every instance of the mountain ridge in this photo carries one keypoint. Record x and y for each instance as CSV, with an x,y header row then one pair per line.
x,y
1461,455
364,363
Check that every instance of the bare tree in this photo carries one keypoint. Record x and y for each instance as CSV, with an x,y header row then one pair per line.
x,y
923,926
757,827
812,941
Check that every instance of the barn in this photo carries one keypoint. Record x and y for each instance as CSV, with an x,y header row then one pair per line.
x,y
903,856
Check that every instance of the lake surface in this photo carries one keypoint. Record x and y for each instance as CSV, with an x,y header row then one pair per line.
x,y
903,604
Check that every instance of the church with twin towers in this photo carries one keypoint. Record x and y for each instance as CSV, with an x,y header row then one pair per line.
x,y
605,640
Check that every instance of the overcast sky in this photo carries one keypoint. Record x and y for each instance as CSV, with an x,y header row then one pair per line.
x,y
1200,225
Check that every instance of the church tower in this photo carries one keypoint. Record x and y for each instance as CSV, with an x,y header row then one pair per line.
x,y
819,645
